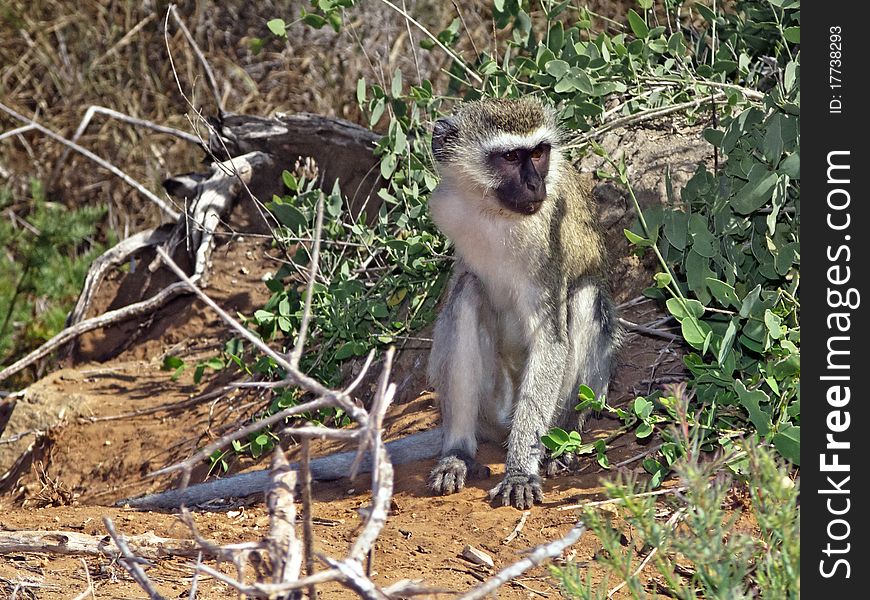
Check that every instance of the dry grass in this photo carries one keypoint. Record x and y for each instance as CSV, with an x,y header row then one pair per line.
x,y
59,58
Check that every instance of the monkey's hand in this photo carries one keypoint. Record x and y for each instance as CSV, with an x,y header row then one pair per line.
x,y
450,473
521,490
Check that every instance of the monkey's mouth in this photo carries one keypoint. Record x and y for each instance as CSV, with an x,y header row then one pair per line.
x,y
528,207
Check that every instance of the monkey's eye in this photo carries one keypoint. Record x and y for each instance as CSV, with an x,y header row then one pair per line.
x,y
510,156
538,152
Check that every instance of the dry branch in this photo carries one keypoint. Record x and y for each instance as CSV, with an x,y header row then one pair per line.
x,y
344,151
285,549
325,468
131,562
214,197
100,161
113,257
108,318
147,545
536,557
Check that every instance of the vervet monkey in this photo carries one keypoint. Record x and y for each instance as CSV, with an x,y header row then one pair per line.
x,y
528,318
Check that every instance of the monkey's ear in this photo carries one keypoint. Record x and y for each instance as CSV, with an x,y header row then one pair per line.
x,y
443,133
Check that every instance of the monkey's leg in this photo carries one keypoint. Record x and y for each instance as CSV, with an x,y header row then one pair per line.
x,y
462,355
593,336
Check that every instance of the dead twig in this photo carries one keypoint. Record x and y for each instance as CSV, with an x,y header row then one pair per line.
x,y
284,547
518,528
119,116
199,55
168,210
649,330
131,563
90,589
146,545
307,516
673,490
536,557
108,318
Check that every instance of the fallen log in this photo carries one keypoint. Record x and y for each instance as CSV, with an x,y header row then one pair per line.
x,y
419,446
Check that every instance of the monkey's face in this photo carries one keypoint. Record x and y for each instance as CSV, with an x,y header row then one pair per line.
x,y
503,153
520,177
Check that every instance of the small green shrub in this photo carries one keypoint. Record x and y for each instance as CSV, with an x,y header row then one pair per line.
x,y
47,250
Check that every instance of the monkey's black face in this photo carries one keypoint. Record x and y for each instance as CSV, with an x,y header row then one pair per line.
x,y
521,173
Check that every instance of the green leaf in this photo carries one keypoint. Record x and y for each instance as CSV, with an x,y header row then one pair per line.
x,y
751,401
788,441
642,408
723,292
773,144
172,362
750,302
727,341
695,332
264,316
756,192
377,112
278,27
703,241
361,90
792,34
600,447
787,367
708,14
637,24
388,165
663,279
287,215
644,430
791,165
556,37
557,68
636,239
676,228
680,310
773,324
314,20
344,351
396,88
289,181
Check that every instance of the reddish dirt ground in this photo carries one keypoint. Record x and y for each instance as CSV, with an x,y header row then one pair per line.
x,y
115,417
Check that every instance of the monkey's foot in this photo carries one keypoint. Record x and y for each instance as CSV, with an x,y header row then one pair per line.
x,y
565,463
518,489
450,473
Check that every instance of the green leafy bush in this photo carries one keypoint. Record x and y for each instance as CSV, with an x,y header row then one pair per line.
x,y
720,540
47,250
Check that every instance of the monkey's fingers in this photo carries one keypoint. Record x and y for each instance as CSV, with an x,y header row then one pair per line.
x,y
448,476
519,490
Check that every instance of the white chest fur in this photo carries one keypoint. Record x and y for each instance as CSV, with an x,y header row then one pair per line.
x,y
485,238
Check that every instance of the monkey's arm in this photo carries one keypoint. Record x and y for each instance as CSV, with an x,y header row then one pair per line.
x,y
418,446
537,401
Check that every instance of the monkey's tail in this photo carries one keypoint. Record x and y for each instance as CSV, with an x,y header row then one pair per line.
x,y
418,446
